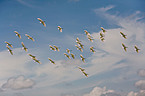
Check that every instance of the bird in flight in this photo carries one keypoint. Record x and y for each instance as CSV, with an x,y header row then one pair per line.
x,y
73,56
80,44
123,35
26,49
29,37
17,34
125,48
9,50
78,48
101,34
32,56
92,49
52,48
41,21
136,49
82,58
103,30
59,28
86,32
51,61
9,44
67,55
38,61
68,51
56,48
77,40
90,38
83,71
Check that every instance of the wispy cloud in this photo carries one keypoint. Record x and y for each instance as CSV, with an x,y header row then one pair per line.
x,y
25,3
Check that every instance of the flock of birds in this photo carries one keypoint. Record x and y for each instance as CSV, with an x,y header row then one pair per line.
x,y
68,53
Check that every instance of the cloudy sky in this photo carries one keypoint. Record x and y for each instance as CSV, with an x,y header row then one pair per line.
x,y
111,71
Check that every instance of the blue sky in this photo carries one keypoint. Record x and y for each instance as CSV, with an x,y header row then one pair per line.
x,y
112,71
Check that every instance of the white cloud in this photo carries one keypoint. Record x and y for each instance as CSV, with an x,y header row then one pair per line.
x,y
97,91
141,72
140,84
25,3
19,82
140,93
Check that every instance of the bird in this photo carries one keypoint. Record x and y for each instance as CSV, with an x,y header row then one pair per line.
x,y
9,44
17,34
125,48
101,34
9,50
92,49
56,48
52,48
102,39
51,61
73,56
85,74
80,44
41,21
89,38
38,61
26,49
78,48
59,28
136,49
83,59
103,29
67,55
77,40
68,51
32,56
83,71
29,37
86,32
123,35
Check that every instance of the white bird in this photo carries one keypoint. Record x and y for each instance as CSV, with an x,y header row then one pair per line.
x,y
41,21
